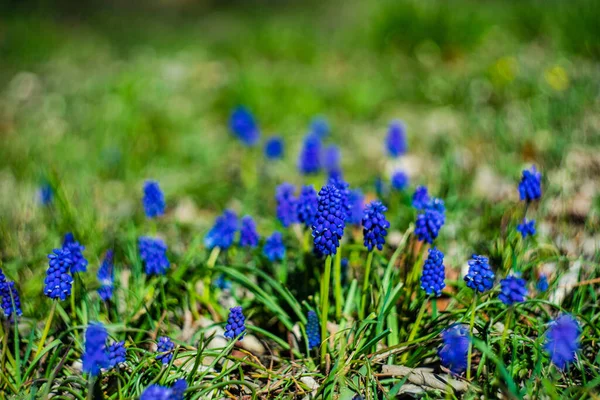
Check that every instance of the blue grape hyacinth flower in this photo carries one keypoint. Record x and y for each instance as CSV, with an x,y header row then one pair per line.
x,y
117,354
320,127
222,234
328,228
562,340
274,248
222,283
332,157
9,296
343,187
248,234
153,200
274,148
157,392
430,220
244,126
512,290
287,204
530,187
420,198
375,225
236,323
153,252
399,180
57,284
455,346
308,204
480,276
106,277
356,199
95,356
432,280
395,141
79,261
165,347
526,228
309,160
542,283
179,388
313,331
46,194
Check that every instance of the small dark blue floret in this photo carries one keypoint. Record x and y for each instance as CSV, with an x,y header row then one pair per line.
x,y
512,290
222,234
399,180
432,280
236,323
117,354
95,356
542,283
153,253
243,125
248,234
153,200
375,225
455,346
106,277
308,204
420,198
76,250
526,228
530,187
165,347
57,284
309,161
287,205
562,340
328,228
274,148
396,139
313,331
356,202
274,248
480,276
430,220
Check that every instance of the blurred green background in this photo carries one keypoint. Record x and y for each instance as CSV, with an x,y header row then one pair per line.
x,y
97,97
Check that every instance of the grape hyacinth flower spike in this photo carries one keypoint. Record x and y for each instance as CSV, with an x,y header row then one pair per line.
x,y
274,248
420,198
331,161
274,148
153,200
430,220
57,284
512,290
95,356
222,234
319,127
526,228
356,200
117,354
480,276
158,392
46,194
11,302
308,204
395,141
287,205
248,234
165,347
562,340
236,324
455,344
106,277
399,180
309,160
153,252
76,250
432,280
243,125
375,225
530,186
328,228
312,330
542,283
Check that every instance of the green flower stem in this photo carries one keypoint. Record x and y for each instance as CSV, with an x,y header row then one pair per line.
x,y
471,325
337,278
325,279
415,327
46,330
210,264
507,323
363,299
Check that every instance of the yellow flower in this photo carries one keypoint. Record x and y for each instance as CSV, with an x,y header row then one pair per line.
x,y
557,78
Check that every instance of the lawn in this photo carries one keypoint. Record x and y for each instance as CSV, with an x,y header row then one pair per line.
x,y
388,97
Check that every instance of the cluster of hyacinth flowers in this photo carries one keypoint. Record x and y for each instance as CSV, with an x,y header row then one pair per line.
x,y
326,216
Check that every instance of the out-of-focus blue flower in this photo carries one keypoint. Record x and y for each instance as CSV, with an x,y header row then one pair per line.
x,y
248,234
106,277
399,180
243,125
432,280
396,139
562,340
309,161
530,187
381,187
179,388
222,283
480,276
420,198
356,200
236,323
328,229
308,203
46,194
331,160
57,284
319,127
95,356
512,290
117,354
165,347
542,283
11,302
375,225
274,148
76,250
157,392
222,234
455,346
287,204
526,228
430,220
153,200
313,331
153,252
274,248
